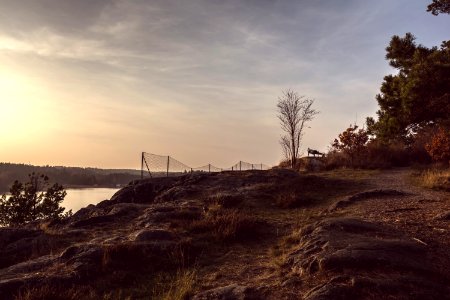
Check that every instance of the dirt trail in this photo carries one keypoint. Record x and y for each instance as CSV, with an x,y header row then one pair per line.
x,y
418,215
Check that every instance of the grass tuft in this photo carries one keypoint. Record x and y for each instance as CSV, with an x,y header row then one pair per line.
x,y
227,225
435,179
181,287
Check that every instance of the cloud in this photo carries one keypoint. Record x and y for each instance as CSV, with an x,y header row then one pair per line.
x,y
172,74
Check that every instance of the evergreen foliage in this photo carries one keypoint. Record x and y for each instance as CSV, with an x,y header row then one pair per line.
x,y
31,201
418,96
439,6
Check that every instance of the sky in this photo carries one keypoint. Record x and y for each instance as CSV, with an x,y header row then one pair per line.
x,y
96,82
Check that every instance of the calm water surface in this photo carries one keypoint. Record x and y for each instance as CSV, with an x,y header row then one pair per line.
x,y
79,198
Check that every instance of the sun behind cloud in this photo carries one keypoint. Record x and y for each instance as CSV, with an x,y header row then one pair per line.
x,y
23,113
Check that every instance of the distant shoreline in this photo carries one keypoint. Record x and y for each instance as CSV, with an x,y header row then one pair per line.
x,y
68,177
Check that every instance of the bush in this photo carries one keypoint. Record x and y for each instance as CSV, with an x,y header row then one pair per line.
x,y
352,142
31,201
439,146
378,155
381,155
335,160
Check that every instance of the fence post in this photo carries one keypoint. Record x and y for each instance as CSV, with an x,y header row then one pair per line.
x,y
261,166
209,168
240,165
252,166
191,170
168,158
142,165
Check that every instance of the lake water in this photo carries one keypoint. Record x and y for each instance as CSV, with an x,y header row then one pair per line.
x,y
79,198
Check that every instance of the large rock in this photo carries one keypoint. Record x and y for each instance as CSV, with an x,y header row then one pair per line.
x,y
367,259
364,196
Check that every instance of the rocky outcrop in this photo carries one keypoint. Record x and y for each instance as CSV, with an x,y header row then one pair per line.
x,y
364,196
140,230
153,228
358,260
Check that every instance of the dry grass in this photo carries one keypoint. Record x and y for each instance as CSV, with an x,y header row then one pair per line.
x,y
225,200
291,198
51,293
227,225
435,179
180,286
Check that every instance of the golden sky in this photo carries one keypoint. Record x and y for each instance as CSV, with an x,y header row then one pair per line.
x,y
94,83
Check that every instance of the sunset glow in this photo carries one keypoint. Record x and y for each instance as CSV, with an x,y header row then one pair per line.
x,y
94,83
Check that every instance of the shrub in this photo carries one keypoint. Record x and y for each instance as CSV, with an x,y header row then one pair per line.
x,y
336,159
380,155
352,142
439,146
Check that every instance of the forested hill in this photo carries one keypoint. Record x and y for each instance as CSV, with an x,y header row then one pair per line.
x,y
67,176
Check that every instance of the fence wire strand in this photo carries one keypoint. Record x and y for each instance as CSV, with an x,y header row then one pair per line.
x,y
159,165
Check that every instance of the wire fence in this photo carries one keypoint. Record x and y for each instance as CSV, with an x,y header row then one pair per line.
x,y
160,166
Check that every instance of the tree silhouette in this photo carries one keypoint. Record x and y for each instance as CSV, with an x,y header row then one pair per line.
x,y
33,200
439,6
294,112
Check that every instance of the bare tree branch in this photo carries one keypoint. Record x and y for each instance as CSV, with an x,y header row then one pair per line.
x,y
294,112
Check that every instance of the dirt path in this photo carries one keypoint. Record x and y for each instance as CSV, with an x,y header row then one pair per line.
x,y
418,214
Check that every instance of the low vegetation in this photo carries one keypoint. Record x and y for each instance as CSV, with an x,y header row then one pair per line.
x,y
178,287
227,225
434,179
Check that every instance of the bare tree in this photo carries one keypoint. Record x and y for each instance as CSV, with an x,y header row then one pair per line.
x,y
294,112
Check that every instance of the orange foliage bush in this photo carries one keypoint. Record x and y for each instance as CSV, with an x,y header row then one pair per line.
x,y
439,146
352,142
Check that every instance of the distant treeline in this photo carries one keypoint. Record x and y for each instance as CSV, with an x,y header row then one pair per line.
x,y
67,176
